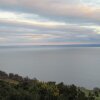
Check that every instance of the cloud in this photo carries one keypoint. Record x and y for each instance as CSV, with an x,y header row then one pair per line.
x,y
49,21
55,9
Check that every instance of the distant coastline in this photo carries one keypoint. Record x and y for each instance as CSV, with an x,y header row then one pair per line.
x,y
49,46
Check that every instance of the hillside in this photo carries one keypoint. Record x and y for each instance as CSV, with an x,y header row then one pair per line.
x,y
15,87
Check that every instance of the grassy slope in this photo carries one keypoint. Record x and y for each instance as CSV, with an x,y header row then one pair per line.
x,y
10,81
86,91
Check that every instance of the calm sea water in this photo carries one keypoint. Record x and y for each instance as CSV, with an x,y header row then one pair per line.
x,y
72,65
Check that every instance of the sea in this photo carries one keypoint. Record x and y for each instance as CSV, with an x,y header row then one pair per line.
x,y
79,65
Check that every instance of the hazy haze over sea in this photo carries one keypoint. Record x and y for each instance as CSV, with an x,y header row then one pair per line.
x,y
72,65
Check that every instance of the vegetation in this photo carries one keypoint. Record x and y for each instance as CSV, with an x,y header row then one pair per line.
x,y
15,87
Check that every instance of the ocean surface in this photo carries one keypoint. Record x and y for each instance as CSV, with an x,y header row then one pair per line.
x,y
71,65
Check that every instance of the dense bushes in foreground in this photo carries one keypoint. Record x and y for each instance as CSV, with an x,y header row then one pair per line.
x,y
15,87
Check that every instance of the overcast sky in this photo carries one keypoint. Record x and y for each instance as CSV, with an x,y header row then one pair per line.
x,y
36,22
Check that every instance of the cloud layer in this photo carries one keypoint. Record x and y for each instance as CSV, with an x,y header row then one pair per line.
x,y
49,21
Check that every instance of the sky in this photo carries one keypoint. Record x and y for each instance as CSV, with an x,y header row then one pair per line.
x,y
49,22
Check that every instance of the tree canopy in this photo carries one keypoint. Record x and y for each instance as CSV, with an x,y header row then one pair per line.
x,y
15,87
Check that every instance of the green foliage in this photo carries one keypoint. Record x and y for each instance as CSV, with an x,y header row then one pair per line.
x,y
15,87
